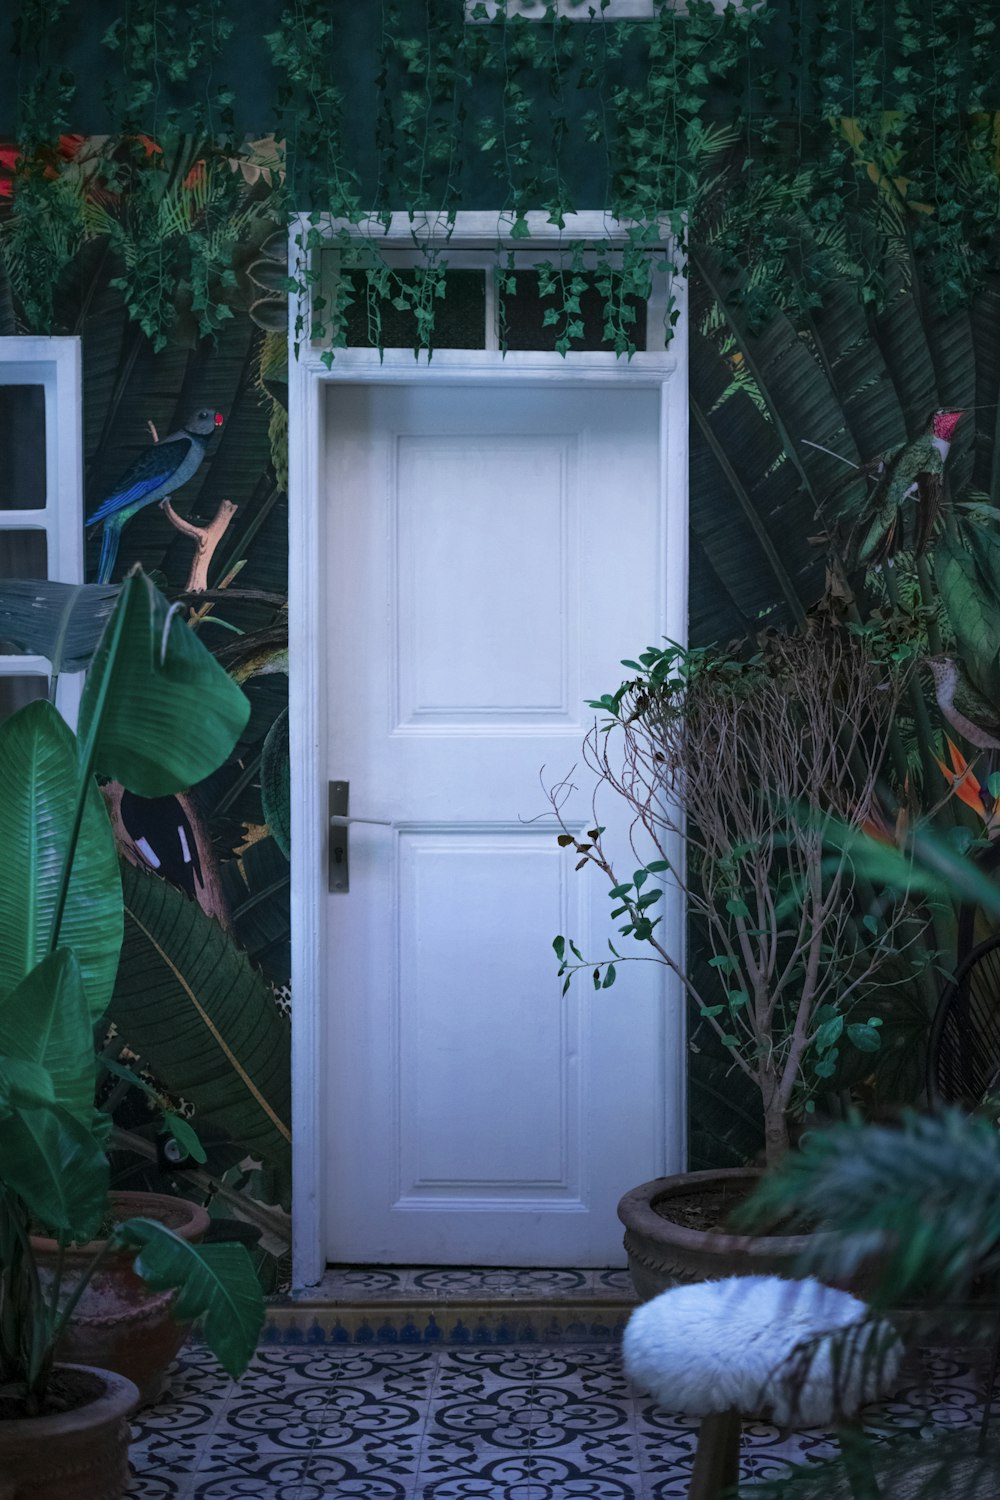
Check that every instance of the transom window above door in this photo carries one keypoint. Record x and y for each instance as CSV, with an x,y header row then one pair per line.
x,y
573,10
528,302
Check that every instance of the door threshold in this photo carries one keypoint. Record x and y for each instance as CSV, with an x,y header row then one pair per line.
x,y
362,1285
454,1306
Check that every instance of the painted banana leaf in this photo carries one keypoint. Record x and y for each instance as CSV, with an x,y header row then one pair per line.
x,y
257,888
168,714
834,373
275,784
60,621
968,578
39,776
204,1020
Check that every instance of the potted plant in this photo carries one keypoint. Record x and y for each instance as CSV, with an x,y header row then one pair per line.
x,y
157,714
759,770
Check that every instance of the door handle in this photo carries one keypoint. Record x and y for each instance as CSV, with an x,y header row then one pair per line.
x,y
338,845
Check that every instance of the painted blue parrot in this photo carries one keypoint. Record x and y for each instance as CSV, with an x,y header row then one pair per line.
x,y
154,475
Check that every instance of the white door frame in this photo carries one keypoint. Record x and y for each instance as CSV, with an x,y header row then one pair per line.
x,y
662,370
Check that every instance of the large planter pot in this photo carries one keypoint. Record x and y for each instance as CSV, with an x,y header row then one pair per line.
x,y
663,1254
119,1324
80,1454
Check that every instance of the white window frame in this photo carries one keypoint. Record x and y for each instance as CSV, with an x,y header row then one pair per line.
x,y
56,365
662,367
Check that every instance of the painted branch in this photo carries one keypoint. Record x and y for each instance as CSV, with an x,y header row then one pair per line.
x,y
208,891
207,538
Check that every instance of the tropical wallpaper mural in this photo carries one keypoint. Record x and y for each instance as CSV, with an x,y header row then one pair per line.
x,y
202,1004
842,237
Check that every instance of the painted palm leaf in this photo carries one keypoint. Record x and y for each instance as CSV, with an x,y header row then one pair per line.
x,y
204,1020
60,621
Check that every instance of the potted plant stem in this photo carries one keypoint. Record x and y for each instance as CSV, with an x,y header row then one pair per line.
x,y
158,714
760,770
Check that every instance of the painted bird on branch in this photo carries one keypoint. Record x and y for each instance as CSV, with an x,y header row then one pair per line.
x,y
908,492
154,475
962,704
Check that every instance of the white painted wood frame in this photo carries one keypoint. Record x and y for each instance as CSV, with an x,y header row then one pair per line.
x,y
662,370
56,365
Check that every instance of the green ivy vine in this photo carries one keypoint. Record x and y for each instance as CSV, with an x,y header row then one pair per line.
x,y
870,128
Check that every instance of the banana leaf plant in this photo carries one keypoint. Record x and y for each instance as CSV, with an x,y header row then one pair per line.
x,y
157,714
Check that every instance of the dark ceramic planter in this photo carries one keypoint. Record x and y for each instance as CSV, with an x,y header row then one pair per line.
x,y
119,1324
662,1254
73,1455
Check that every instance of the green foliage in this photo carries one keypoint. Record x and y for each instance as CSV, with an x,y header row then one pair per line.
x,y
53,1167
192,1004
924,1198
151,684
215,1283
39,801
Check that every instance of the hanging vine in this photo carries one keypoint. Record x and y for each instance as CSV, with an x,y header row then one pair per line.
x,y
869,125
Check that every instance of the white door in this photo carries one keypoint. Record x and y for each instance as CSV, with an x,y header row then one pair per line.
x,y
494,549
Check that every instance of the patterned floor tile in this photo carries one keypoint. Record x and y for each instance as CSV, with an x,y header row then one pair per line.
x,y
358,1283
471,1423
162,1466
230,1471
500,1282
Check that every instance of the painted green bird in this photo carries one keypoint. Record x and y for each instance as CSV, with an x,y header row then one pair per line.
x,y
914,471
155,475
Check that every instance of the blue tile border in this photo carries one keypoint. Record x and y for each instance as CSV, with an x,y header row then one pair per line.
x,y
438,1326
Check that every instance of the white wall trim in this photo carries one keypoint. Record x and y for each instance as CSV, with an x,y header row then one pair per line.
x,y
309,378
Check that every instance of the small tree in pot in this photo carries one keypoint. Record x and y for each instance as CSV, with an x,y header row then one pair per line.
x,y
761,771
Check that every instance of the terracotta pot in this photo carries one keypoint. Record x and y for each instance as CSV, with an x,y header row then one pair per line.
x,y
73,1455
662,1254
119,1324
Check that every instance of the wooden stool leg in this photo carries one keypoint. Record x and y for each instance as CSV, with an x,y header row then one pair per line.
x,y
858,1464
716,1469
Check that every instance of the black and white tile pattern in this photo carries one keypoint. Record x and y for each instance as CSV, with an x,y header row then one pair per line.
x,y
474,1423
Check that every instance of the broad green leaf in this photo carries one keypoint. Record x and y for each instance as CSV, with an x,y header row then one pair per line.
x,y
204,1020
53,1162
275,784
24,1083
216,1283
186,1138
46,1020
60,621
865,1038
162,712
39,773
829,1033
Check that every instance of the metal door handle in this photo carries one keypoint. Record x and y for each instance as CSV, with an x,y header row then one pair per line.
x,y
338,865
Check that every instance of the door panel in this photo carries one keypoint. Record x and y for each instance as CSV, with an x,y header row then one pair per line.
x,y
494,550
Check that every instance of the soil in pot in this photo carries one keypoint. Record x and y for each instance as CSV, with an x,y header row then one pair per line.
x,y
119,1324
78,1450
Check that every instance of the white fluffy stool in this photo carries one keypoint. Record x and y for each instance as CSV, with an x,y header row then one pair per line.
x,y
759,1346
